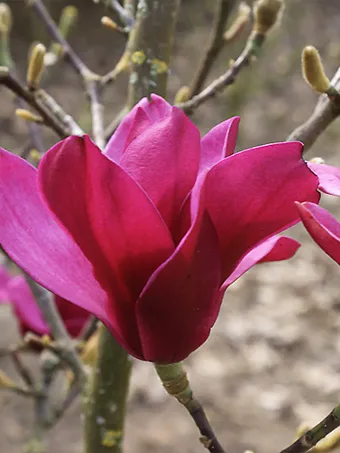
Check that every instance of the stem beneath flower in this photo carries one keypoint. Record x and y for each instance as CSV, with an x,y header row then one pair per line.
x,y
175,382
105,398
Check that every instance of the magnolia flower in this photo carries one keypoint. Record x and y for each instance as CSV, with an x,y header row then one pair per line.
x,y
148,235
15,291
320,224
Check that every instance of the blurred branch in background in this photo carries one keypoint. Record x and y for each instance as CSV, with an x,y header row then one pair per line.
x,y
266,14
217,41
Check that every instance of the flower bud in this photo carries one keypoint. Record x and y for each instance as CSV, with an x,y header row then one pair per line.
x,y
68,18
36,66
5,18
182,95
28,116
109,23
266,15
241,20
313,71
5,381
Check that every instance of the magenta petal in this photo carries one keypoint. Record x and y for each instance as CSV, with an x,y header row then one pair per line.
x,y
164,162
33,239
174,312
136,121
329,178
277,248
250,196
323,227
110,218
25,307
219,143
74,317
131,127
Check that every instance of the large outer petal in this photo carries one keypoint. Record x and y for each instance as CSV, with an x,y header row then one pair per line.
x,y
136,121
110,218
329,178
277,248
164,161
323,227
26,308
174,311
34,240
219,143
250,196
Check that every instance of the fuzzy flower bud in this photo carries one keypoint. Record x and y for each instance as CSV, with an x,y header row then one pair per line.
x,y
266,15
241,20
313,71
36,66
182,95
28,116
68,18
5,18
5,381
109,23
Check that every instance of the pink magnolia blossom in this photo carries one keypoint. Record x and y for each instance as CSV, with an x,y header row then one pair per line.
x,y
15,291
149,234
320,224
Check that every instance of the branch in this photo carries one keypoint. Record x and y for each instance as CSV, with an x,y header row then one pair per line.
x,y
215,46
94,89
52,114
151,48
326,111
105,398
123,13
51,315
314,435
254,44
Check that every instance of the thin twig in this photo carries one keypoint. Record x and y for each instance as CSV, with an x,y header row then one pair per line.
x,y
89,329
326,111
94,90
123,14
35,100
318,432
215,46
208,439
50,313
22,369
228,78
54,31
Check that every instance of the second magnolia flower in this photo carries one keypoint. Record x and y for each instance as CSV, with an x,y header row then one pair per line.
x,y
149,235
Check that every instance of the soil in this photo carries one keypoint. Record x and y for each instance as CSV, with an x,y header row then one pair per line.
x,y
272,360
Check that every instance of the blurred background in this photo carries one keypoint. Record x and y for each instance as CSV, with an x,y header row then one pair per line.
x,y
273,359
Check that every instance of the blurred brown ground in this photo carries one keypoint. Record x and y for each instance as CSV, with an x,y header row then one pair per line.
x,y
273,359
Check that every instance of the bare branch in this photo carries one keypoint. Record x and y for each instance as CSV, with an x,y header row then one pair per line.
x,y
215,46
228,78
326,111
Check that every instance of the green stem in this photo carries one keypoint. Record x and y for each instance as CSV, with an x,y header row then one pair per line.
x,y
151,46
105,398
314,435
175,382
